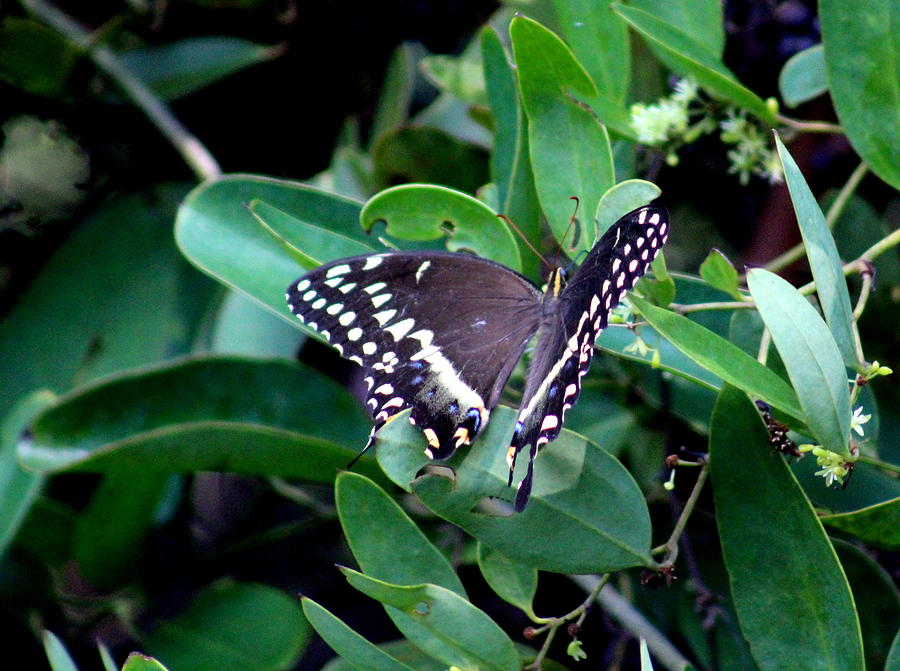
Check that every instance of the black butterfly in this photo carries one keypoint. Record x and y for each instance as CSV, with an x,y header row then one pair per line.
x,y
441,332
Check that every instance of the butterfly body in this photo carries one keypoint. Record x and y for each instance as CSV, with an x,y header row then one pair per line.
x,y
441,332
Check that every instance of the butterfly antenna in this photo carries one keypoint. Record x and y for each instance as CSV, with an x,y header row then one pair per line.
x,y
524,239
571,225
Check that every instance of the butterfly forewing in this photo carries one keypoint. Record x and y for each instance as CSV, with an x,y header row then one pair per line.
x,y
437,332
570,324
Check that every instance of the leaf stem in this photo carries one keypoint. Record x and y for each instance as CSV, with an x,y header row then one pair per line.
x,y
834,212
632,621
684,309
670,547
894,468
192,151
554,623
809,126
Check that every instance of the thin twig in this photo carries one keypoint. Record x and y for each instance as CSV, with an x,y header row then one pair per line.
x,y
809,126
632,621
198,158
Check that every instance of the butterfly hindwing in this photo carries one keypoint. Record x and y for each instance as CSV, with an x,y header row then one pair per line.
x,y
573,318
437,332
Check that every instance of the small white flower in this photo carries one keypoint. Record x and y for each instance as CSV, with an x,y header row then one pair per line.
x,y
686,90
771,168
858,420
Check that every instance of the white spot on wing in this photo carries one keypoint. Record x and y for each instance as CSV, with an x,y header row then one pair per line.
x,y
341,269
369,349
642,216
380,300
372,262
633,265
422,270
384,389
424,336
550,422
303,285
595,303
334,308
384,317
334,281
309,295
401,328
375,288
346,319
347,287
354,334
319,304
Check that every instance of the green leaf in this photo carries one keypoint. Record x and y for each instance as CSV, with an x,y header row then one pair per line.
x,y
622,199
129,299
179,68
233,625
267,417
720,357
877,601
599,40
513,582
893,662
423,153
718,272
586,513
793,601
57,655
810,356
824,261
701,19
804,76
109,533
393,550
396,93
243,327
217,233
355,649
427,212
862,51
35,58
877,525
462,76
662,289
138,662
308,244
510,162
464,630
570,150
19,489
689,57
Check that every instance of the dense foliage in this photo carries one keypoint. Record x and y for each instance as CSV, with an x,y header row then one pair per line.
x,y
726,493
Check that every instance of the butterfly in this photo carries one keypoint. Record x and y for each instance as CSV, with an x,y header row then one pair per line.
x,y
440,332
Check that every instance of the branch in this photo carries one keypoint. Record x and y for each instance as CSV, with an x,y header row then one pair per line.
x,y
198,158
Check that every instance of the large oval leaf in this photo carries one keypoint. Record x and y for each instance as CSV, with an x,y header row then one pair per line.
x,y
429,212
355,649
862,51
216,413
810,355
689,57
239,625
721,357
217,233
586,513
824,261
570,150
460,627
792,598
